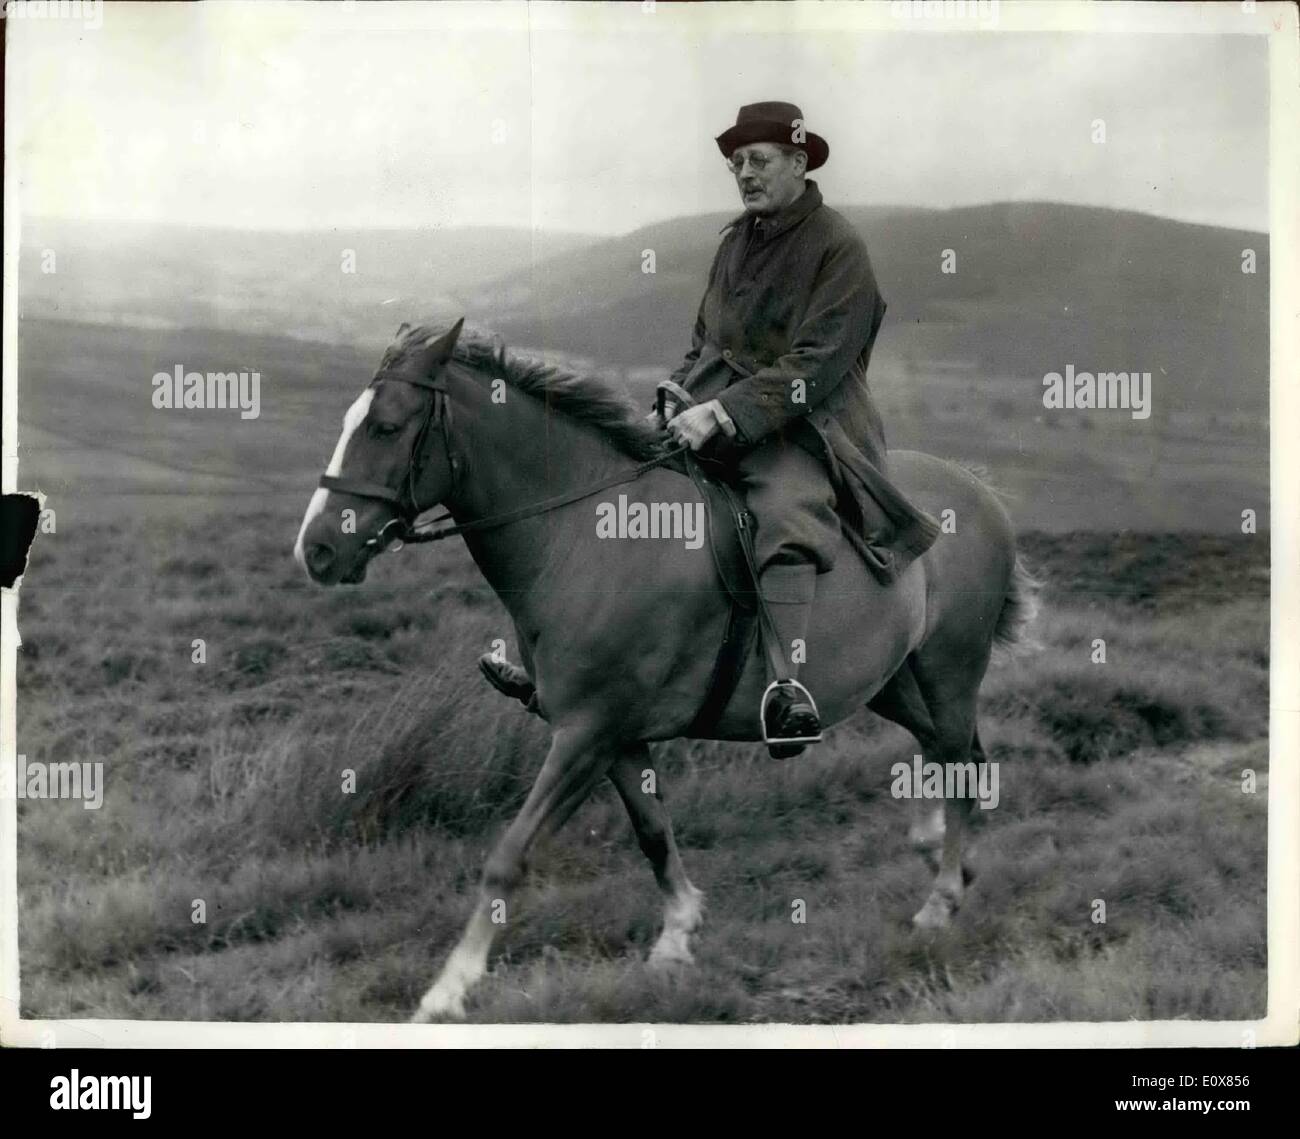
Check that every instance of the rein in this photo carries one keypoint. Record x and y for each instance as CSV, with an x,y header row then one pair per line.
x,y
543,507
409,509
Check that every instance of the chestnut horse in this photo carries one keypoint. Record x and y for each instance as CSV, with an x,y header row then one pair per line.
x,y
620,634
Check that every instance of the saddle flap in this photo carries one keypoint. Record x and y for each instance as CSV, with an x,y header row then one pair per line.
x,y
722,509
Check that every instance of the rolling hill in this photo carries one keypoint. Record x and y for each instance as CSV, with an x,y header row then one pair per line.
x,y
958,367
336,286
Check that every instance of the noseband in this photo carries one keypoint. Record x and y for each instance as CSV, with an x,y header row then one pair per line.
x,y
398,530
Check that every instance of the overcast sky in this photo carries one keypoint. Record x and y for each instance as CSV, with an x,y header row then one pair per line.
x,y
302,117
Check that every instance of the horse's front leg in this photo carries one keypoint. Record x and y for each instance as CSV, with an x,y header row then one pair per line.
x,y
578,758
638,786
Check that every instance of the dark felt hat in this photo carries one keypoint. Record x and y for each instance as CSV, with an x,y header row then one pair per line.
x,y
773,122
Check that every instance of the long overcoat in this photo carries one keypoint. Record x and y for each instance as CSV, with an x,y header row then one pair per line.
x,y
782,340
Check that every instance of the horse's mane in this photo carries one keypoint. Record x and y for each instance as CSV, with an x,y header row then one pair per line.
x,y
591,399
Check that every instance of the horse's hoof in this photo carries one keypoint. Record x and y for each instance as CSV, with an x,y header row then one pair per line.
x,y
438,1007
670,961
936,913
670,953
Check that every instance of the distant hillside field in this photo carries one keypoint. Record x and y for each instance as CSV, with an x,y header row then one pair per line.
x,y
336,286
958,367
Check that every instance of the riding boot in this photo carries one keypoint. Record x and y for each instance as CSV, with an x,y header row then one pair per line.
x,y
511,680
788,590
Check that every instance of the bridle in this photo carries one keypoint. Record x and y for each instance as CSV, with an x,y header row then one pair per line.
x,y
399,530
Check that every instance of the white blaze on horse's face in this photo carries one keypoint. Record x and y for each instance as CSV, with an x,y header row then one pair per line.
x,y
355,417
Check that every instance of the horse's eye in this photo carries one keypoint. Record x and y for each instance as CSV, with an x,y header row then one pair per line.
x,y
383,430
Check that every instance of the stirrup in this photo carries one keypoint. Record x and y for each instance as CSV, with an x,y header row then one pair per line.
x,y
779,741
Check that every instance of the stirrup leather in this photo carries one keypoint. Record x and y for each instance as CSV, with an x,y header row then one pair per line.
x,y
803,693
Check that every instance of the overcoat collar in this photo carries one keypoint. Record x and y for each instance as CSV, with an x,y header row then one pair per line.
x,y
782,220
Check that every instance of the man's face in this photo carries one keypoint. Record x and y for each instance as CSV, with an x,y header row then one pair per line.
x,y
768,180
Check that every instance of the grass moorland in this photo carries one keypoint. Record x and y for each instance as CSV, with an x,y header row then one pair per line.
x,y
1119,781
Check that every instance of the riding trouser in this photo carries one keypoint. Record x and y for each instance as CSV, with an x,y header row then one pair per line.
x,y
789,493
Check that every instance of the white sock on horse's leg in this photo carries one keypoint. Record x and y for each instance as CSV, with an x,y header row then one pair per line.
x,y
927,831
574,764
949,886
466,965
683,913
636,781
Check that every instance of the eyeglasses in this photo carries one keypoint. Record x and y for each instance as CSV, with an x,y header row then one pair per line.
x,y
758,162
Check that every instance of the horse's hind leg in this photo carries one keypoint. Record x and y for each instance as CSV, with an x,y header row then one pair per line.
x,y
901,702
637,784
952,872
576,762
950,689
933,696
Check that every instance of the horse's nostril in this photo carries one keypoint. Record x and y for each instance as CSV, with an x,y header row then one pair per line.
x,y
319,557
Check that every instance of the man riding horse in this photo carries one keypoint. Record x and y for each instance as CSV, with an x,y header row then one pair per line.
x,y
777,369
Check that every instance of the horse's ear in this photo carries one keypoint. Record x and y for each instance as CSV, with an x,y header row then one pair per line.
x,y
434,353
402,331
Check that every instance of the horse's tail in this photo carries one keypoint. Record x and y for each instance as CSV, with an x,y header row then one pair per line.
x,y
1019,608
